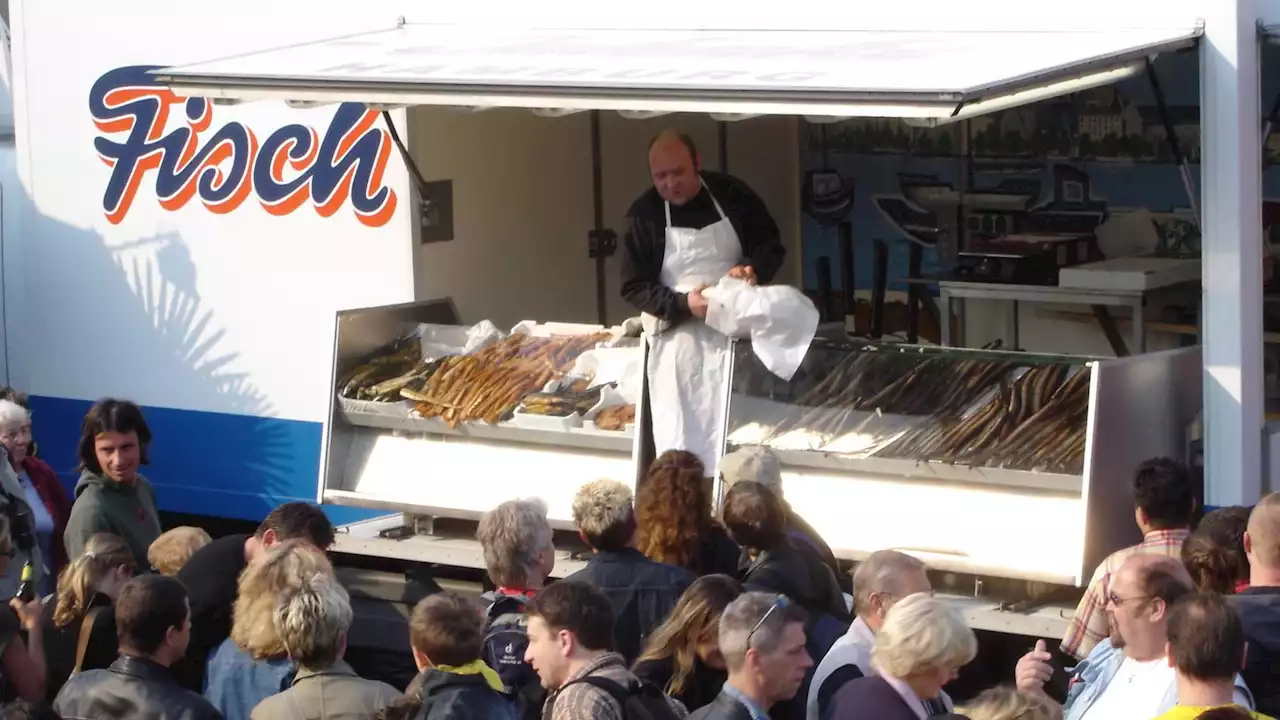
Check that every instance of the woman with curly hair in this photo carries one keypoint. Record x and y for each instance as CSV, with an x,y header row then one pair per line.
x,y
253,664
675,524
683,654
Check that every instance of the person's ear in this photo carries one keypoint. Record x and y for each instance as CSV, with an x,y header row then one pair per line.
x,y
567,642
269,538
1248,543
420,659
1159,608
1140,516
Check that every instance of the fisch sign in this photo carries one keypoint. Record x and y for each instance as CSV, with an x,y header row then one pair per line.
x,y
225,164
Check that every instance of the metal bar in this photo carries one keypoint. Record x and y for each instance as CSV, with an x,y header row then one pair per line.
x,y
1271,121
1139,328
944,320
881,282
826,303
1015,340
1108,325
844,241
915,260
597,208
1171,135
722,136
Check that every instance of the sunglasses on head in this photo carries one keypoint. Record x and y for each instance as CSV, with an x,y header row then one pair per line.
x,y
780,602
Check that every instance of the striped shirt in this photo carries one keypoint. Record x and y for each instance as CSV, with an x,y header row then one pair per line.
x,y
1090,625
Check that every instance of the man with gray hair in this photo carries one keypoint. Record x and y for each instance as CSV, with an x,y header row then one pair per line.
x,y
519,553
312,621
755,463
763,643
879,582
642,591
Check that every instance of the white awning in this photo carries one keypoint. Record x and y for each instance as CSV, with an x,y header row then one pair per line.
x,y
930,77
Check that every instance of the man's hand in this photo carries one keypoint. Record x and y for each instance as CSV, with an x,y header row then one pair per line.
x,y
744,272
28,613
698,303
1034,669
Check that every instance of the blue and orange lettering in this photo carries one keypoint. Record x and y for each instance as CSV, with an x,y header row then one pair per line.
x,y
292,166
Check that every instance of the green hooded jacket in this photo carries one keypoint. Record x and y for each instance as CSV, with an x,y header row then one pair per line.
x,y
103,505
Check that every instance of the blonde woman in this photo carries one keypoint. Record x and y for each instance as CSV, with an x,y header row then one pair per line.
x,y
920,648
92,581
683,654
1008,703
253,664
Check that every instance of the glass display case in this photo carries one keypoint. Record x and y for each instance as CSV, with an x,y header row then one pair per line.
x,y
979,460
436,417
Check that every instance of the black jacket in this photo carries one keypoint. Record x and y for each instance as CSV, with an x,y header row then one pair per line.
x,y
61,643
642,591
449,696
699,690
131,688
1259,609
724,707
794,569
799,528
645,244
719,555
210,578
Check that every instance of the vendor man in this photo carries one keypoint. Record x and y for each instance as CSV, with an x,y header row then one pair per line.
x,y
687,232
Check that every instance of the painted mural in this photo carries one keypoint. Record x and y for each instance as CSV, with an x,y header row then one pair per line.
x,y
1065,165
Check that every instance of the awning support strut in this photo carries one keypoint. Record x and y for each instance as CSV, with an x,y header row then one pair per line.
x,y
1171,136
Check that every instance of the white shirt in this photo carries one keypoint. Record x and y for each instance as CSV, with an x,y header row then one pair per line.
x,y
1138,690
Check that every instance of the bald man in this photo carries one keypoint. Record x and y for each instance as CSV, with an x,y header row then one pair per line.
x,y
1259,605
689,230
1127,675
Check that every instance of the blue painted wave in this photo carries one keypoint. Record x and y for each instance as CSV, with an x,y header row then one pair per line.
x,y
204,463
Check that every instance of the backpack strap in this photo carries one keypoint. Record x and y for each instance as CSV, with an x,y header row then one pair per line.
x,y
86,632
618,692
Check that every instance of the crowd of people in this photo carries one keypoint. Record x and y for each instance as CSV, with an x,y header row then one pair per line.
x,y
679,611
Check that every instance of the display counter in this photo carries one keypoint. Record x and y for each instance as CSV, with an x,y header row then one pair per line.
x,y
433,417
978,461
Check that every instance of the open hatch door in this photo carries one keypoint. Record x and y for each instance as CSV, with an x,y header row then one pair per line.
x,y
925,77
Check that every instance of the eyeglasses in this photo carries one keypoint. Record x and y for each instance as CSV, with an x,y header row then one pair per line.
x,y
1116,600
780,602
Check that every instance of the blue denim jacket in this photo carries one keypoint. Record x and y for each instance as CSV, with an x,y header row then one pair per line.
x,y
1094,673
235,683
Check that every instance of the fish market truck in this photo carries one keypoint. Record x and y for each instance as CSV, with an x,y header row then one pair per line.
x,y
308,237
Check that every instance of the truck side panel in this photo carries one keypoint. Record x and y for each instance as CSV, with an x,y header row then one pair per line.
x,y
191,256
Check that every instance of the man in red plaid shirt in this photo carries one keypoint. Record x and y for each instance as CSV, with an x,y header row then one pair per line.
x,y
1164,504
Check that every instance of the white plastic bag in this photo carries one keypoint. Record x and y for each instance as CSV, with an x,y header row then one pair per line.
x,y
779,320
441,340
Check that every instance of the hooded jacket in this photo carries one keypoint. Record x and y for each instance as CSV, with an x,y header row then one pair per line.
x,y
1259,609
103,505
450,696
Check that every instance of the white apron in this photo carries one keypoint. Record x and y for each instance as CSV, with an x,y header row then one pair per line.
x,y
687,362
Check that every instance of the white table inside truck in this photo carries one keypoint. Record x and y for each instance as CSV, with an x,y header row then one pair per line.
x,y
955,290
